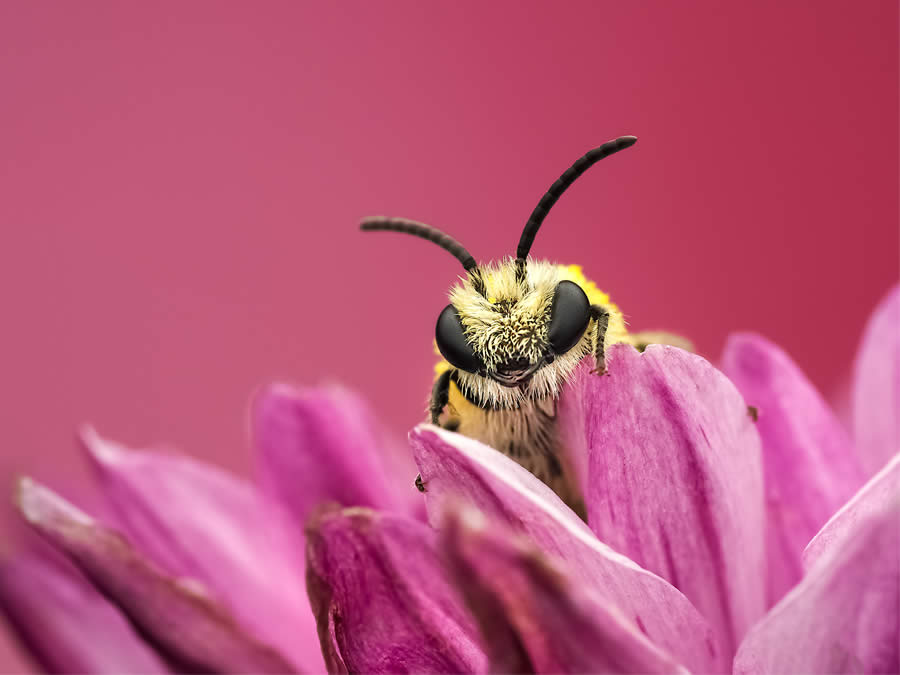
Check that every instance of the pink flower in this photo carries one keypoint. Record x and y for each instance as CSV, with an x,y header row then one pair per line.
x,y
714,542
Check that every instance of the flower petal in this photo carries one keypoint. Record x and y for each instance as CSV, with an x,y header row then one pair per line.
x,y
534,617
870,499
876,388
176,613
67,624
194,520
382,602
675,478
324,445
455,467
844,616
809,462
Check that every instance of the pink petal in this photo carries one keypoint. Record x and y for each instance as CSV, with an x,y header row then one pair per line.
x,y
67,624
194,520
809,461
876,391
844,616
383,604
868,501
454,467
324,445
176,613
534,617
675,478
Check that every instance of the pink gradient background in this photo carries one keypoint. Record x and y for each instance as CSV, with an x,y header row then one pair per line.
x,y
180,185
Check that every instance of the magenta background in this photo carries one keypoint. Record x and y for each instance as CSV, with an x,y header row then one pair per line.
x,y
180,186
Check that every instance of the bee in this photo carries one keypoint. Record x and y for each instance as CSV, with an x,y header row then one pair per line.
x,y
512,335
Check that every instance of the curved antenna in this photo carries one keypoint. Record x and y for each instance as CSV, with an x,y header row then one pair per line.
x,y
561,185
445,241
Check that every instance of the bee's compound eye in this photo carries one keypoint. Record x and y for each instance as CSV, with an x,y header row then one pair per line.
x,y
570,315
451,341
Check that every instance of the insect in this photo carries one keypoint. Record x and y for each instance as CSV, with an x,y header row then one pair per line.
x,y
512,335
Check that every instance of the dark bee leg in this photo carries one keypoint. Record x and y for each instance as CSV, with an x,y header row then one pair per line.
x,y
601,317
440,394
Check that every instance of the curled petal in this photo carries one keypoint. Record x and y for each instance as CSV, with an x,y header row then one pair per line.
x,y
381,599
194,520
533,616
844,616
809,462
871,499
876,390
176,614
67,623
455,468
674,477
324,445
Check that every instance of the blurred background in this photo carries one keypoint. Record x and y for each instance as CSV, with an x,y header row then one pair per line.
x,y
180,186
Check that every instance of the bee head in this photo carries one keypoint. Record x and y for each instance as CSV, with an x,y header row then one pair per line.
x,y
513,329
523,335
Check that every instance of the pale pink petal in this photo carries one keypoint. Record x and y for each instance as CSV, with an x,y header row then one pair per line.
x,y
67,624
809,462
844,616
876,387
533,615
870,499
324,445
378,589
177,614
194,520
455,467
675,477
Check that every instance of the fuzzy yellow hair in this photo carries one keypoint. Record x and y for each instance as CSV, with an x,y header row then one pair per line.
x,y
508,322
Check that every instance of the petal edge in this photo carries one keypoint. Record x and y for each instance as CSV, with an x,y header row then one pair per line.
x,y
674,477
876,386
457,469
809,461
392,610
179,615
533,616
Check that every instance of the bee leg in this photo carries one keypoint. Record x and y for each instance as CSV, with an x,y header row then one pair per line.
x,y
440,394
601,318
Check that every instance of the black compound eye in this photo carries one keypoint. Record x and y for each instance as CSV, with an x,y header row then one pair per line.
x,y
451,341
570,315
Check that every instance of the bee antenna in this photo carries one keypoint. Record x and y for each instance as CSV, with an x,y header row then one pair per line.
x,y
555,192
445,241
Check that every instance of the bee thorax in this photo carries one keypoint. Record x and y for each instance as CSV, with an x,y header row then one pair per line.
x,y
527,435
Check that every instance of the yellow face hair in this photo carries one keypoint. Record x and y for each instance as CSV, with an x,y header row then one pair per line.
x,y
512,323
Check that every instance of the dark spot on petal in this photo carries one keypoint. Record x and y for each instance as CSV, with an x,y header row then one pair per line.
x,y
640,624
672,574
